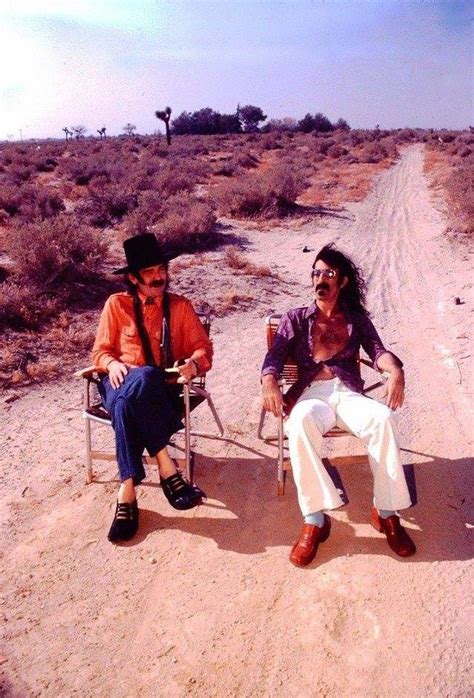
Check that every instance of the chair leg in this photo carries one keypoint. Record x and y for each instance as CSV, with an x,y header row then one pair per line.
x,y
281,471
187,433
89,473
263,414
203,393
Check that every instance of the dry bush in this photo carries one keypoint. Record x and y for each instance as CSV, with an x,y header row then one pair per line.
x,y
186,224
268,194
54,263
460,190
30,202
146,214
19,308
57,255
236,260
233,300
107,205
372,153
175,177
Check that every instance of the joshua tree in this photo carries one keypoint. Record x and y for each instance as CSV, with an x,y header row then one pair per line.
x,y
79,131
67,132
129,129
165,116
101,132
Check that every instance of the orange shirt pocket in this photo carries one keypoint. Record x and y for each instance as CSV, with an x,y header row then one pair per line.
x,y
130,345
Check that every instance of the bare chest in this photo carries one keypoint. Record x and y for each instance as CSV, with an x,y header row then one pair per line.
x,y
329,336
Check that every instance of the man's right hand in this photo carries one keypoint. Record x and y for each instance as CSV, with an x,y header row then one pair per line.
x,y
271,395
117,372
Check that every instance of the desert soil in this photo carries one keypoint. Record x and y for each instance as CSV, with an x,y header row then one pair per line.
x,y
205,601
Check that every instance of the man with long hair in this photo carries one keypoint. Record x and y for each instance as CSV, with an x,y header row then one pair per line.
x,y
324,340
141,332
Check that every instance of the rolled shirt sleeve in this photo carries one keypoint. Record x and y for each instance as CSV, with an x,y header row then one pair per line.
x,y
372,344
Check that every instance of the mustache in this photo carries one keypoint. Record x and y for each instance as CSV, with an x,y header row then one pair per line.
x,y
322,287
156,284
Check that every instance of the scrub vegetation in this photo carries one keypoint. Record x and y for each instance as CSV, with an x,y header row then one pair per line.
x,y
66,206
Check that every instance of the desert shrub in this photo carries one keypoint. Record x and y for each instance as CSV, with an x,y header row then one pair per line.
x,y
146,214
19,310
187,225
56,256
464,152
321,145
372,153
30,202
45,164
272,193
246,159
176,177
10,199
236,260
336,151
226,169
19,173
82,168
107,205
460,190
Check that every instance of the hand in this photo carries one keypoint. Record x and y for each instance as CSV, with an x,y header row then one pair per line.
x,y
395,388
117,372
271,396
187,371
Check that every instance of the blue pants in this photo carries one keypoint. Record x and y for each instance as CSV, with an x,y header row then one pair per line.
x,y
145,413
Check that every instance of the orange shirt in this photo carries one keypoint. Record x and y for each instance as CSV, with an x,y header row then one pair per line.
x,y
118,339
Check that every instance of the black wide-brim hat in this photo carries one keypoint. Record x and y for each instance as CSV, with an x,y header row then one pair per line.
x,y
142,251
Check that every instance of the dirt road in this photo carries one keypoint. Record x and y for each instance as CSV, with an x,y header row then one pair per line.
x,y
205,601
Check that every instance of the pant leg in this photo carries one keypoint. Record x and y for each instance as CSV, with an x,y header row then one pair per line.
x,y
310,418
144,416
375,424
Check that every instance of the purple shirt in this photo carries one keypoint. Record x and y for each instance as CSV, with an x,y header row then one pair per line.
x,y
294,338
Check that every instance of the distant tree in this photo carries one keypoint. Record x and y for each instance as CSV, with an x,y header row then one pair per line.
x,y
79,131
205,122
342,125
129,129
101,132
250,117
67,132
322,123
165,116
287,124
318,122
306,124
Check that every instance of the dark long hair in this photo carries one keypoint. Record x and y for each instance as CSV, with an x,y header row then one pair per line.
x,y
352,295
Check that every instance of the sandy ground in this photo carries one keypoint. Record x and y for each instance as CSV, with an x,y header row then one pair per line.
x,y
205,601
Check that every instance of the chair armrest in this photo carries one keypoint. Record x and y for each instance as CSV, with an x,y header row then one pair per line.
x,y
87,372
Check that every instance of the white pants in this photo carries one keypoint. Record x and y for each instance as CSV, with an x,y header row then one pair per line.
x,y
322,406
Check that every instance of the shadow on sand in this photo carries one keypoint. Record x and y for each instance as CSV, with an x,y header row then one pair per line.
x,y
243,513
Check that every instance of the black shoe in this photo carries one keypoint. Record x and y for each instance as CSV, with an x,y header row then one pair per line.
x,y
125,523
179,493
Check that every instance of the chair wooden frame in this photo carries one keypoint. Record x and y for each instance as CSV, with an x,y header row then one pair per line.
x,y
193,393
288,377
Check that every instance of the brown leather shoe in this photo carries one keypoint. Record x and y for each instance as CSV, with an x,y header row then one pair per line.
x,y
397,538
306,546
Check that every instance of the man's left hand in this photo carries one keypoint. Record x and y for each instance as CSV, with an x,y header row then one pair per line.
x,y
395,388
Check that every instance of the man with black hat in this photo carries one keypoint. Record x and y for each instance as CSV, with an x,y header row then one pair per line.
x,y
142,331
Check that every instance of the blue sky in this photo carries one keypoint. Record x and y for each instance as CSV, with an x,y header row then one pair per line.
x,y
108,62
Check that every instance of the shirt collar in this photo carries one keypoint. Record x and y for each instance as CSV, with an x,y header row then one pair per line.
x,y
312,311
